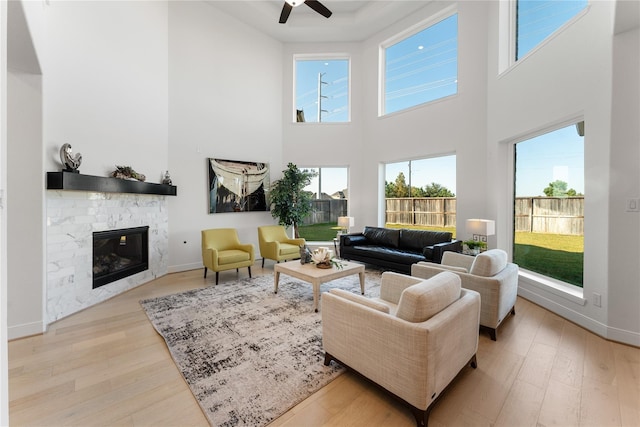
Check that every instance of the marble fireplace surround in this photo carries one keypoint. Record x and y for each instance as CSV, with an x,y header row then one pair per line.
x,y
72,217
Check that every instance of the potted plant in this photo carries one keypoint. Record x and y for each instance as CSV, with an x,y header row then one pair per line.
x,y
474,246
290,204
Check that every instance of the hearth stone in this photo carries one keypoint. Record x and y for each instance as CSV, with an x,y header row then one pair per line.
x,y
72,217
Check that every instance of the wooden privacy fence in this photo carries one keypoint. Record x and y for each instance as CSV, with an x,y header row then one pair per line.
x,y
427,211
551,215
324,211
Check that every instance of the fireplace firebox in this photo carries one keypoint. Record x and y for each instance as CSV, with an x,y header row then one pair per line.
x,y
119,253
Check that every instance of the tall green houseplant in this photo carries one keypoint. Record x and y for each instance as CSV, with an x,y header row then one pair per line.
x,y
290,204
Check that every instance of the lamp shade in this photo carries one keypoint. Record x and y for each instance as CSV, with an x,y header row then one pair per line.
x,y
345,221
482,227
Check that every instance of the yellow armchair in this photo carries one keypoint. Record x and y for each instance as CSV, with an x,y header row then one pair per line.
x,y
276,245
222,250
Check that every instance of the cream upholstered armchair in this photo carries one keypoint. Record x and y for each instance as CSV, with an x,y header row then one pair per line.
x,y
412,341
489,274
222,250
276,245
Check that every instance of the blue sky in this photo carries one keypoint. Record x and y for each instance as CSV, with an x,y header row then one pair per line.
x,y
546,158
336,76
441,170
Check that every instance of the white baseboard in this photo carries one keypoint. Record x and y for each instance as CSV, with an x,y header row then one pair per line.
x,y
184,267
25,330
598,328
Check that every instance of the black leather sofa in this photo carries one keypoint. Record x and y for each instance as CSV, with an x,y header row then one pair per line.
x,y
396,249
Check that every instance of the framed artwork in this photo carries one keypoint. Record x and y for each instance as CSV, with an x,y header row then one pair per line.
x,y
237,186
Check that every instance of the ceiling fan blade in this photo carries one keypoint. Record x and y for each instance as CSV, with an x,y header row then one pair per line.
x,y
286,10
318,7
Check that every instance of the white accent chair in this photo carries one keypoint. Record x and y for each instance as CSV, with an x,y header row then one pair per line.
x,y
489,274
412,341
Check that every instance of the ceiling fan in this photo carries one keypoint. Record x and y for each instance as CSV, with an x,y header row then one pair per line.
x,y
313,4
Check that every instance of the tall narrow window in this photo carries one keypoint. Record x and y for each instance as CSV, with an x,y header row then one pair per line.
x,y
422,67
420,193
549,204
322,90
538,19
330,200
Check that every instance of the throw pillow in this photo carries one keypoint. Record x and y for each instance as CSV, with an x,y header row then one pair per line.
x,y
420,302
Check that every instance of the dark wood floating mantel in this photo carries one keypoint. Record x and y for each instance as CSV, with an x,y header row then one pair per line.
x,y
100,184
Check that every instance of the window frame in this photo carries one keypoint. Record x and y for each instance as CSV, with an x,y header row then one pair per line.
x,y
320,57
508,40
568,291
434,19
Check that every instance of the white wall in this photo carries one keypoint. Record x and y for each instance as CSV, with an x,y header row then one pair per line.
x,y
24,190
106,85
25,210
4,362
325,144
624,227
567,78
225,98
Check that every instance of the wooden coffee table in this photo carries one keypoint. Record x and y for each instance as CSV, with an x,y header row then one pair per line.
x,y
316,276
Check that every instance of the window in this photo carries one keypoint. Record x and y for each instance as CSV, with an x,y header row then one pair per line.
x,y
549,204
538,19
420,193
322,90
422,67
330,200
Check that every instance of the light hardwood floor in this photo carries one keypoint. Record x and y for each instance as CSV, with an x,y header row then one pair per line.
x,y
107,366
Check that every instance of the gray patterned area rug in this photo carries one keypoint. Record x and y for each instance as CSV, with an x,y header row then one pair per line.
x,y
247,354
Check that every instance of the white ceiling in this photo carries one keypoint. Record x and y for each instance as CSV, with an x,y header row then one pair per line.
x,y
351,21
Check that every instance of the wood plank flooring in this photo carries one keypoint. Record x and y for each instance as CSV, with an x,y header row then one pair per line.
x,y
107,366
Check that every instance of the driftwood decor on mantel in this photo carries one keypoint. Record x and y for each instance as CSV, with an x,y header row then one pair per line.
x,y
79,182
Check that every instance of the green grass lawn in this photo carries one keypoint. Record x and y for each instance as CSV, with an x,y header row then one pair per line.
x,y
555,255
318,232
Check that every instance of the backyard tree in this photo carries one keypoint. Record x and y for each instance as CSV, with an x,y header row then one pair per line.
x,y
290,203
436,190
558,188
401,187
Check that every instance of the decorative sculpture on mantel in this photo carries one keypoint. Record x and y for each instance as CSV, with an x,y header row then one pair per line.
x,y
70,161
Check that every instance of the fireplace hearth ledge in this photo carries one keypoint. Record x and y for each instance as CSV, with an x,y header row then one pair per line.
x,y
79,182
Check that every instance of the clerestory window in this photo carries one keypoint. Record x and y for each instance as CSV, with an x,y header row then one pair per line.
x,y
321,89
538,19
421,67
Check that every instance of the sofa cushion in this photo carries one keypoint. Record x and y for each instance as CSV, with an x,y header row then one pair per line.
x,y
359,299
382,236
417,240
385,253
489,263
420,302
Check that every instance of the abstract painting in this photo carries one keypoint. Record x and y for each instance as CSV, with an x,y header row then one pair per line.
x,y
237,186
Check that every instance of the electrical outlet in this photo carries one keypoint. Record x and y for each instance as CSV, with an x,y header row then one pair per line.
x,y
597,299
633,205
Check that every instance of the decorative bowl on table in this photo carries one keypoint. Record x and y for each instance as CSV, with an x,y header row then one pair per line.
x,y
321,257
